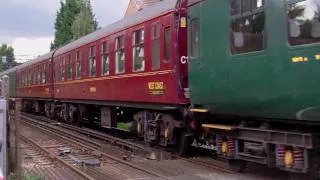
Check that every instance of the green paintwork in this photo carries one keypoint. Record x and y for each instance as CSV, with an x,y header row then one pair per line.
x,y
12,84
262,84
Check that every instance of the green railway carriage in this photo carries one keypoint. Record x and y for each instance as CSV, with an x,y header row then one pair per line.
x,y
259,61
247,62
12,84
11,73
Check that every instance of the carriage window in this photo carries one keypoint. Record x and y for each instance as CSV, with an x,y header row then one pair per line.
x,y
156,46
69,67
105,59
43,76
167,46
22,80
35,76
92,60
39,72
62,68
28,83
19,80
48,72
247,26
26,77
78,64
26,80
195,37
29,78
242,6
138,50
120,55
304,22
57,71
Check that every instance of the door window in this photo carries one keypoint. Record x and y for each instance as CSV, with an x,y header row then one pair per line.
x,y
247,26
304,22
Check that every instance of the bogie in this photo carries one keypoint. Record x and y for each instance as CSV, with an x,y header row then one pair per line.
x,y
258,141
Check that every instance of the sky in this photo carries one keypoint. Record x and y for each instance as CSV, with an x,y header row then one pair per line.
x,y
28,25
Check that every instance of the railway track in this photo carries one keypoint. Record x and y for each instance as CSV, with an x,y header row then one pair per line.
x,y
94,142
33,154
84,149
135,147
116,141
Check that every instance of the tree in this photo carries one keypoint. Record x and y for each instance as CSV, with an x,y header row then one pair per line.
x,y
65,20
85,22
65,17
8,52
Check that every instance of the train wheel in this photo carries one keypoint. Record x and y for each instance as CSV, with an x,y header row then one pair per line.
x,y
298,176
186,140
64,114
73,114
52,113
315,164
81,114
237,165
78,121
133,127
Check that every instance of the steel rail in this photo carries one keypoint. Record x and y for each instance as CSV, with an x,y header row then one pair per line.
x,y
86,143
128,144
105,137
38,146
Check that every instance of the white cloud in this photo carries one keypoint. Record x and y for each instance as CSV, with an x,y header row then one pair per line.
x,y
6,40
25,48
47,6
108,12
31,22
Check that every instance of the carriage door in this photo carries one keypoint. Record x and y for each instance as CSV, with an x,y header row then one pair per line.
x,y
182,34
194,33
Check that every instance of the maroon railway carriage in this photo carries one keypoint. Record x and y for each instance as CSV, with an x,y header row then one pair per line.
x,y
133,60
133,70
35,81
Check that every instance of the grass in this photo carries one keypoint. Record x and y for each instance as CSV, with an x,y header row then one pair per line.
x,y
123,125
32,177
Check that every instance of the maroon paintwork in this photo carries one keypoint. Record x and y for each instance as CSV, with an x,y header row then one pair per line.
x,y
38,88
133,87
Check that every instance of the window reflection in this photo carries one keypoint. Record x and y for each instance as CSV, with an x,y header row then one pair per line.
x,y
195,27
304,22
247,26
243,6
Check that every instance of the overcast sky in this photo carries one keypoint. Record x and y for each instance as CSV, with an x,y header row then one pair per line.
x,y
28,25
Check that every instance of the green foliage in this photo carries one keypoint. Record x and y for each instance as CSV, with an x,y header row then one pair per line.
x,y
84,22
123,125
32,177
7,51
74,19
